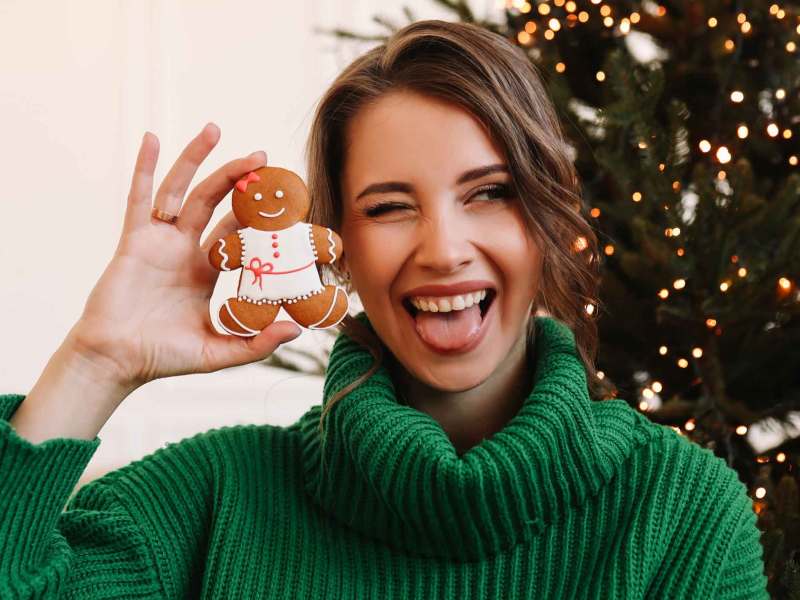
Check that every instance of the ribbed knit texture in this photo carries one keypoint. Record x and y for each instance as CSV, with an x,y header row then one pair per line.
x,y
572,499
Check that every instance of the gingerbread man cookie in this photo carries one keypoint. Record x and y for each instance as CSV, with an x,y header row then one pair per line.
x,y
277,253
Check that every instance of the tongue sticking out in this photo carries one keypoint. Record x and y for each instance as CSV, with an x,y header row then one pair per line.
x,y
449,330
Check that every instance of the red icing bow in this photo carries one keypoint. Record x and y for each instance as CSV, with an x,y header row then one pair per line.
x,y
241,185
258,268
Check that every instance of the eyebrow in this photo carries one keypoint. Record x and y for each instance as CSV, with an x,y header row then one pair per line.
x,y
401,186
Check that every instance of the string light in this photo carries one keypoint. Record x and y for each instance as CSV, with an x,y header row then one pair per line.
x,y
697,352
711,323
741,429
683,363
737,96
662,350
679,284
705,145
742,131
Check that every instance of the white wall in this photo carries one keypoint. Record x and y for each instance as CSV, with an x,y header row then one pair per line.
x,y
80,81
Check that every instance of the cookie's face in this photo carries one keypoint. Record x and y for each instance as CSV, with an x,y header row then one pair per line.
x,y
270,198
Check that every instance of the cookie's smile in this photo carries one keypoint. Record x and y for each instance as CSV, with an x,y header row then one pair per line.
x,y
272,215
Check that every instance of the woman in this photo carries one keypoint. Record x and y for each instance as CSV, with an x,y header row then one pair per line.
x,y
457,452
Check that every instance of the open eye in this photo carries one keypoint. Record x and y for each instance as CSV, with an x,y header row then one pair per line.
x,y
258,196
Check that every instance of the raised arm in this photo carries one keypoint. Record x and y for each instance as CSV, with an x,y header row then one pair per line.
x,y
328,244
136,532
226,253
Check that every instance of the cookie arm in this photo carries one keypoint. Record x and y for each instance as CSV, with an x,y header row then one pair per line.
x,y
226,253
328,244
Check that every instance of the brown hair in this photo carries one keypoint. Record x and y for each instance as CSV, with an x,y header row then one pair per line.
x,y
494,80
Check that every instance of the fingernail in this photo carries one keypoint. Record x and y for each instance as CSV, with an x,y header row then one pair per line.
x,y
257,153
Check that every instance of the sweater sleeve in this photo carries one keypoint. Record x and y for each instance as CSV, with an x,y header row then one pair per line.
x,y
742,572
138,531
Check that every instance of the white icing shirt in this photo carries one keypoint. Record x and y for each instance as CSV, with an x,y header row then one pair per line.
x,y
278,265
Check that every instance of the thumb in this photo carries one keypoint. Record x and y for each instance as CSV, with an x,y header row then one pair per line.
x,y
233,350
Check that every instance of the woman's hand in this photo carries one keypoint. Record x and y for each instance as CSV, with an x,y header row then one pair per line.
x,y
148,315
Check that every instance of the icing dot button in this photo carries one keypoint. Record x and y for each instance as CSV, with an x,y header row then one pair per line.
x,y
276,254
274,236
274,244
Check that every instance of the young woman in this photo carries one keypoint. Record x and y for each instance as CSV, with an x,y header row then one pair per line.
x,y
461,449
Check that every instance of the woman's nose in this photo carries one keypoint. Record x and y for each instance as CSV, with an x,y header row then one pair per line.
x,y
443,246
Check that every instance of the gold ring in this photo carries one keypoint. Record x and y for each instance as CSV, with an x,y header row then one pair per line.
x,y
159,214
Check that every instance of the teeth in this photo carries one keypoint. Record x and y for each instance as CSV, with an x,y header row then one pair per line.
x,y
448,303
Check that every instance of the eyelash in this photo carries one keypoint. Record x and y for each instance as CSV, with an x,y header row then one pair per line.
x,y
384,207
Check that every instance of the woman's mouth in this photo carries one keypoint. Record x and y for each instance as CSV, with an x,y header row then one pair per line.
x,y
451,324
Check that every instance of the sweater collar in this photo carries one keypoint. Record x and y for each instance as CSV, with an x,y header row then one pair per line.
x,y
390,472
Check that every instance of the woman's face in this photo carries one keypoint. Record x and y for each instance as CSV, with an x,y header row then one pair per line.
x,y
438,251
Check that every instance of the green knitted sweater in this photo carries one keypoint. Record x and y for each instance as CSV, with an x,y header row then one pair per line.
x,y
572,499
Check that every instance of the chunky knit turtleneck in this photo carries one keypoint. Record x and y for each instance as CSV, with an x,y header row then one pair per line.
x,y
407,486
571,499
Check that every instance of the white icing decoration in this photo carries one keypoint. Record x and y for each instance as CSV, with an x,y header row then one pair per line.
x,y
272,215
332,243
296,253
258,196
251,333
224,264
330,310
279,194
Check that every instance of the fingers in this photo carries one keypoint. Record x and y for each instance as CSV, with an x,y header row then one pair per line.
x,y
227,224
230,351
172,190
200,204
140,195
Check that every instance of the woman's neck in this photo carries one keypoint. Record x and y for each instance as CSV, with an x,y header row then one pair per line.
x,y
469,416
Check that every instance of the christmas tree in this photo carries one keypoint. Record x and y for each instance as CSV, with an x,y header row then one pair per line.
x,y
683,117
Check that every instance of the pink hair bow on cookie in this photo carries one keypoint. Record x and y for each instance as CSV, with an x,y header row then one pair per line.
x,y
241,185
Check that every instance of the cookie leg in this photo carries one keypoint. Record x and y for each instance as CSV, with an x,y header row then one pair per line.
x,y
321,310
245,319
